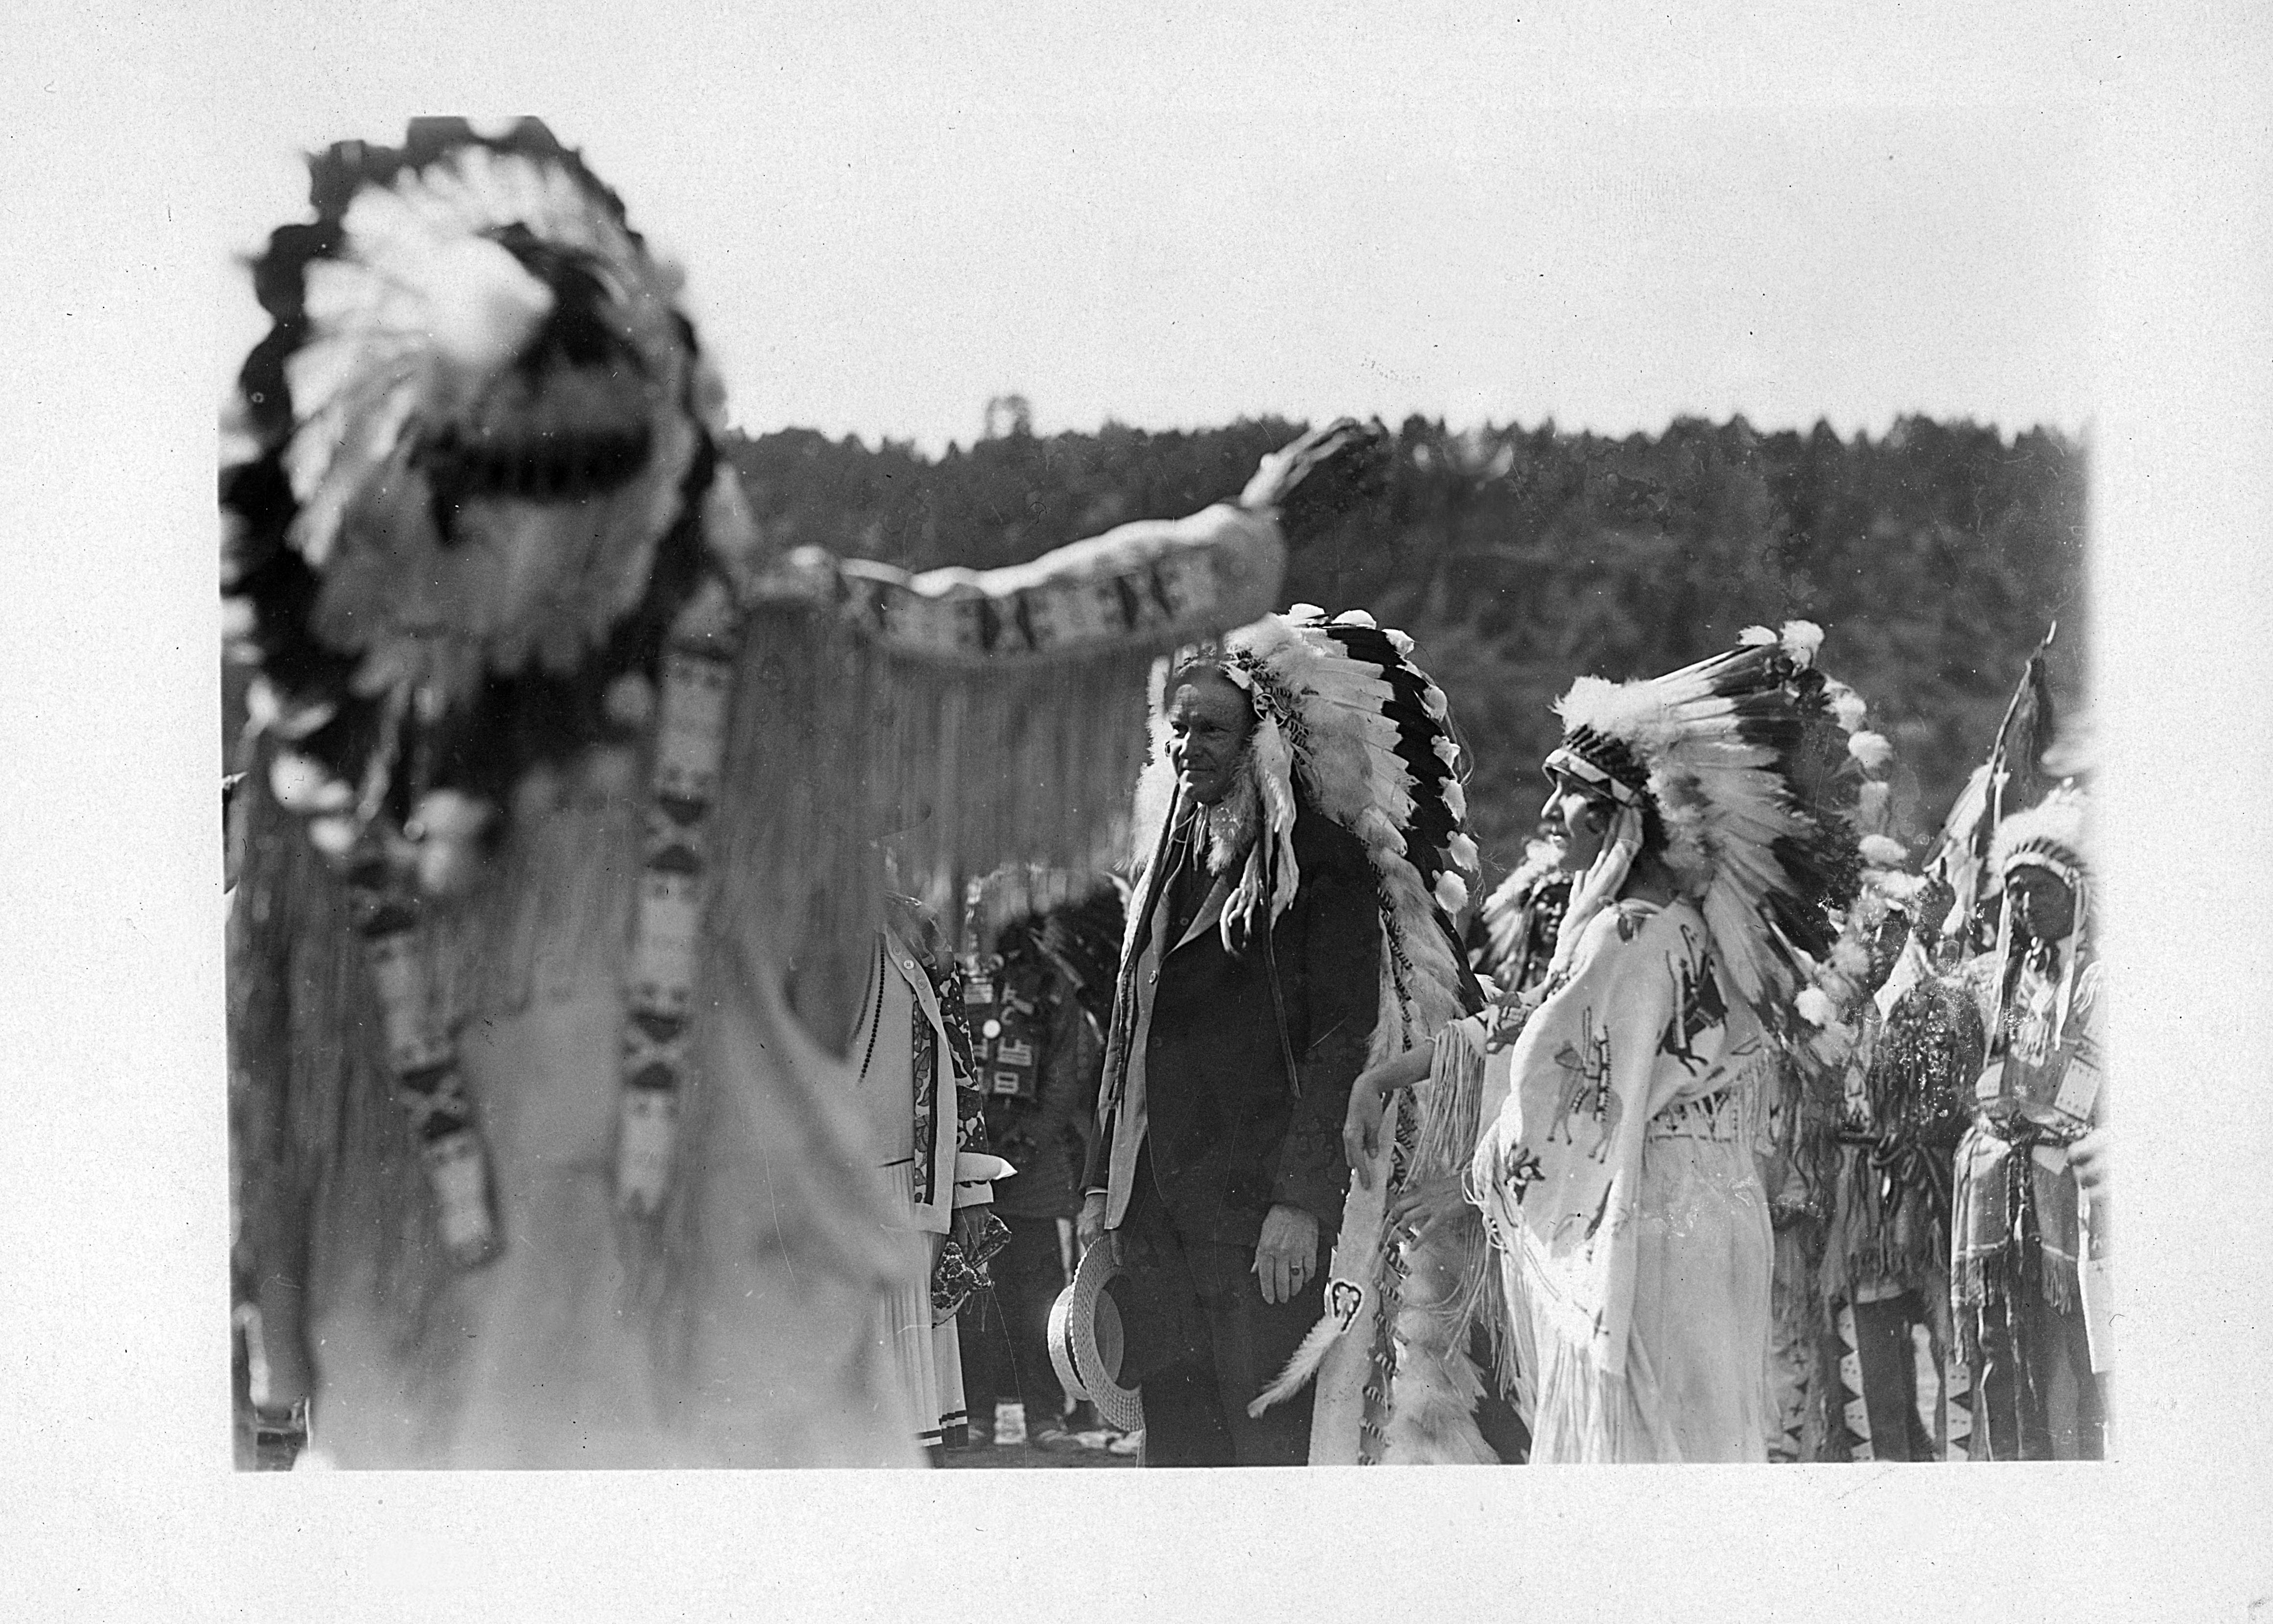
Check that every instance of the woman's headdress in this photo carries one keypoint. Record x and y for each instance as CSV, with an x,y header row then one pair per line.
x,y
1747,766
1345,720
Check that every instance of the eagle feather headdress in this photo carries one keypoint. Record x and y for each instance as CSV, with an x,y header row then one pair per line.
x,y
1747,762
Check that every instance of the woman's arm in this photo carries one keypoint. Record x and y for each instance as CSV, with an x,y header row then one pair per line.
x,y
1369,1102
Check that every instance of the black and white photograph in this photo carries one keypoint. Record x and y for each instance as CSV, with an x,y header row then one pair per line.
x,y
1010,740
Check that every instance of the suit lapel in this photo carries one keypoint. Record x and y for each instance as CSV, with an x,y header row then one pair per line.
x,y
1211,911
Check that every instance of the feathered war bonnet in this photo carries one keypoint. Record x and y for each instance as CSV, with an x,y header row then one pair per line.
x,y
1744,763
469,483
1345,720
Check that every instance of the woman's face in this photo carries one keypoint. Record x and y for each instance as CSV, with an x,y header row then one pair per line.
x,y
1584,818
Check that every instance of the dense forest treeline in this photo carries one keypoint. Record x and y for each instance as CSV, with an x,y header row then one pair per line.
x,y
1933,557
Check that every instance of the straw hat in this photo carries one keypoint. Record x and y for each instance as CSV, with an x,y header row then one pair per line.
x,y
1086,1341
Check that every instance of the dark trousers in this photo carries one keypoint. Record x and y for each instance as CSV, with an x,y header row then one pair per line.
x,y
1005,1331
1202,1343
1887,1356
2035,1397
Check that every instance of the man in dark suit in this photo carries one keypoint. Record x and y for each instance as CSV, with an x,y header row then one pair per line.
x,y
1218,1170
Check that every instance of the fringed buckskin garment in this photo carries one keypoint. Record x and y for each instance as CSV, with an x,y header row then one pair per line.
x,y
1618,1177
735,1332
1624,1111
1886,1257
2014,1290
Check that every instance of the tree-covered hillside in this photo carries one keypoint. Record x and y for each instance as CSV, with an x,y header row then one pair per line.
x,y
1518,559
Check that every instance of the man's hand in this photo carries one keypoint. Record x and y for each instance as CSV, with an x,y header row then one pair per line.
x,y
1931,909
1287,1254
1089,1228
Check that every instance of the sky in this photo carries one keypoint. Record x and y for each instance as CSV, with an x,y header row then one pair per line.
x,y
1180,217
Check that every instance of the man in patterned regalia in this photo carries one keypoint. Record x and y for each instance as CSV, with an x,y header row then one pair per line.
x,y
2024,1263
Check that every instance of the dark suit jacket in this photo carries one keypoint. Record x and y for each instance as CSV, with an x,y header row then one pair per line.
x,y
1229,1137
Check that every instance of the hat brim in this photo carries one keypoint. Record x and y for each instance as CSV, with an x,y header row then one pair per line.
x,y
1087,1341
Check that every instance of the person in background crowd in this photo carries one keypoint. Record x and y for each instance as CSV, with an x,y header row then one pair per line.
x,y
1512,938
1037,1050
2026,1255
1887,1263
927,1130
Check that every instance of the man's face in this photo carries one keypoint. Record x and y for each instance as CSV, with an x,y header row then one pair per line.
x,y
1209,720
2041,905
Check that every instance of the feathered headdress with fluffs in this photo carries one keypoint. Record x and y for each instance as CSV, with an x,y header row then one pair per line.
x,y
476,530
1744,761
1345,720
470,478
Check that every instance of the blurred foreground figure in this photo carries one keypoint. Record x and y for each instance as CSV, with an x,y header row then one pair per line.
x,y
561,834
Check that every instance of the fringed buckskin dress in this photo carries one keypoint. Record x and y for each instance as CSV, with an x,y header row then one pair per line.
x,y
1617,1176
